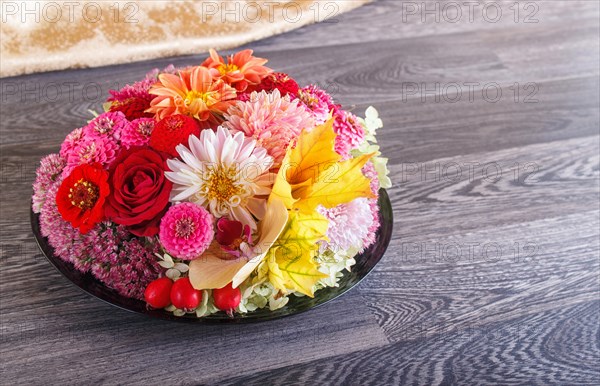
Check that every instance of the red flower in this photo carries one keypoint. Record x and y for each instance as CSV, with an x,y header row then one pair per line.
x,y
81,196
172,131
140,191
277,81
133,108
230,234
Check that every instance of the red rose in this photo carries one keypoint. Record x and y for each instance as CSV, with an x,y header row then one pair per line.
x,y
140,191
81,196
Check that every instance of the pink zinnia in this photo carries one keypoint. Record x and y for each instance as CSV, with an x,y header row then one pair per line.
x,y
318,102
71,142
272,120
186,230
89,150
137,132
106,125
350,133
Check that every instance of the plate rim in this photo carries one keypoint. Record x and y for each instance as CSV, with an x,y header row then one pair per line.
x,y
383,239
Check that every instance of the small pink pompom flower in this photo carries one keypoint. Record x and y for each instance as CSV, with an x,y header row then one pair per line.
x,y
137,132
186,230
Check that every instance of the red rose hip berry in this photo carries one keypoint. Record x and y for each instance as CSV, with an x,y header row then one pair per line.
x,y
184,296
158,293
227,298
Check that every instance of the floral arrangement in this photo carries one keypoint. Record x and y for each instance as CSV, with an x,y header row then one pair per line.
x,y
218,187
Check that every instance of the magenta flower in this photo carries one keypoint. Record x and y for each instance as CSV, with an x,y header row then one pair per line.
x,y
137,132
318,102
102,150
350,133
71,142
186,230
106,125
231,234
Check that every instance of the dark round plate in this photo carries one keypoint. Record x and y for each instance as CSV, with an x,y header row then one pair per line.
x,y
365,262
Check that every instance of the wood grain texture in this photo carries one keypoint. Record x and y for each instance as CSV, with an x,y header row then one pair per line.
x,y
492,273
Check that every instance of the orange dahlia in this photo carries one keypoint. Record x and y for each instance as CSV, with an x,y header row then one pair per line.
x,y
192,92
241,70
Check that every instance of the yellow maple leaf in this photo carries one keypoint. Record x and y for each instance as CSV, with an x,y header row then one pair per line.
x,y
312,174
290,260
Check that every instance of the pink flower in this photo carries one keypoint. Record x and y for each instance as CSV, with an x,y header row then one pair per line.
x,y
370,172
102,150
272,120
106,125
186,230
137,132
128,269
47,174
350,133
70,142
349,225
318,102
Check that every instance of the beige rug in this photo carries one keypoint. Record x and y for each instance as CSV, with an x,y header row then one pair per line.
x,y
55,35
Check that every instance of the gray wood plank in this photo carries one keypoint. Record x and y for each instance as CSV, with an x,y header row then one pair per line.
x,y
425,315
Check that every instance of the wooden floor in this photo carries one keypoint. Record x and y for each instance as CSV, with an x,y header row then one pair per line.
x,y
491,276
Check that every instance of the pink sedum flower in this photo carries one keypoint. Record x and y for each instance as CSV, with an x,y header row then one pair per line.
x,y
47,174
186,230
137,132
272,120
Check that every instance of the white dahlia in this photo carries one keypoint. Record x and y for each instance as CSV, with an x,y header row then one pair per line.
x,y
225,173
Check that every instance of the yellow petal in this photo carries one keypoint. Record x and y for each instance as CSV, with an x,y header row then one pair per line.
x,y
210,272
313,153
344,183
